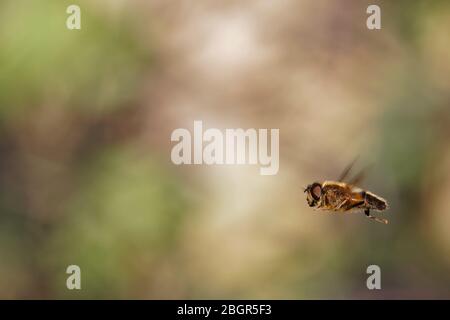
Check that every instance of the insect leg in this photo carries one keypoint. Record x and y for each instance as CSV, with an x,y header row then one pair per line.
x,y
343,203
380,220
356,204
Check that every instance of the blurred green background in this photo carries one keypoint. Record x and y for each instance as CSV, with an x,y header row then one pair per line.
x,y
85,170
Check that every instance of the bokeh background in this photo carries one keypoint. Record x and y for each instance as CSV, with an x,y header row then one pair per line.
x,y
85,170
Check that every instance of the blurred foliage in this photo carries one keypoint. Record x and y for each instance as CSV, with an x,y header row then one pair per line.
x,y
127,208
94,69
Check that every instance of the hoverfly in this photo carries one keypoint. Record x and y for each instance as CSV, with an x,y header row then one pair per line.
x,y
339,196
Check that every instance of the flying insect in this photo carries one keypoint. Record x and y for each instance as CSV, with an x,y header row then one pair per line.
x,y
339,196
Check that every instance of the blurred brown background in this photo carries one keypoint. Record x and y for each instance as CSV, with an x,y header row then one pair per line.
x,y
85,170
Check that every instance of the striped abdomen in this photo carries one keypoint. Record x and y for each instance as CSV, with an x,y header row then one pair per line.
x,y
375,202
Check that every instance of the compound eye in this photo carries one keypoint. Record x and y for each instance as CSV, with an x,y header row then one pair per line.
x,y
316,191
